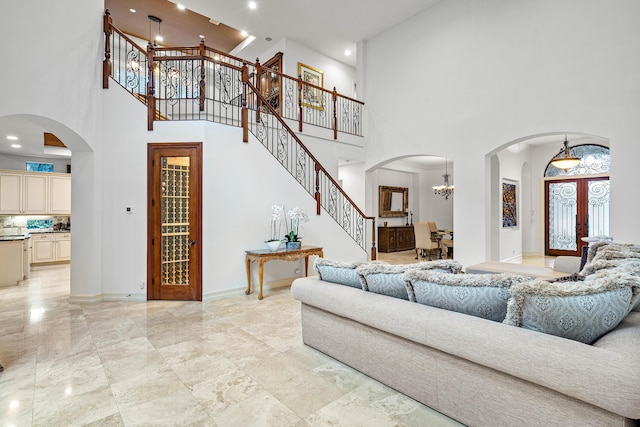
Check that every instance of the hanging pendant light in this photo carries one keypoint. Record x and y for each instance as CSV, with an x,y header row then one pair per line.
x,y
564,160
445,190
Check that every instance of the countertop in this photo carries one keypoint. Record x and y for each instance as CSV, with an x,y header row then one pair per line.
x,y
10,237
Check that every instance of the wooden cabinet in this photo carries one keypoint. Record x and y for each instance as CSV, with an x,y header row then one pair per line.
x,y
34,193
394,239
51,247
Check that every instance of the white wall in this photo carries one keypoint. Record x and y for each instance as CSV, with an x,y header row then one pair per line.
x,y
483,74
241,181
12,162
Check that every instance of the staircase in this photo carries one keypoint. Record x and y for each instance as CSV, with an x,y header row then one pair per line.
x,y
201,83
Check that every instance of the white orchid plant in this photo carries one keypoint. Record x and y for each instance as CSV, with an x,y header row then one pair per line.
x,y
296,217
277,216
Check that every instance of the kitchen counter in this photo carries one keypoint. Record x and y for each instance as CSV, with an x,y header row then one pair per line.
x,y
9,237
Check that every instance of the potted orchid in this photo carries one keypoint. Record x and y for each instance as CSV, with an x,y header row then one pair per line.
x,y
296,217
277,216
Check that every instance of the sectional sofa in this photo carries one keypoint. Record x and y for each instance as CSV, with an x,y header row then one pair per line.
x,y
481,372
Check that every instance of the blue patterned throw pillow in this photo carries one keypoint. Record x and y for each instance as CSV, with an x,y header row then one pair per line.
x,y
480,295
582,311
342,273
389,279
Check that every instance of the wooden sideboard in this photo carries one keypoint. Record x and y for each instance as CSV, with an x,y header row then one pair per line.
x,y
396,238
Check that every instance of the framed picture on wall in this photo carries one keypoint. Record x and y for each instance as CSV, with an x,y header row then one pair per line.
x,y
312,96
509,204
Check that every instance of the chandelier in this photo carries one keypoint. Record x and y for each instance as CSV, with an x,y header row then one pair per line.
x,y
445,190
564,160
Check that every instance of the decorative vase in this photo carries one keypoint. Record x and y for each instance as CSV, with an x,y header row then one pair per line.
x,y
294,245
273,245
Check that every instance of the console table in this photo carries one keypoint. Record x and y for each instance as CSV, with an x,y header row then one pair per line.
x,y
396,238
262,256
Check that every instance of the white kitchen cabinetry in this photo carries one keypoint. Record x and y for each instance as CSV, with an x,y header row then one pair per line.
x,y
60,194
43,248
10,193
51,247
33,193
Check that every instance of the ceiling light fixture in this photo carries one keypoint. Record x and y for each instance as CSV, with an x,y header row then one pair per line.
x,y
158,37
132,10
16,146
243,33
445,190
181,6
12,137
347,52
252,5
564,159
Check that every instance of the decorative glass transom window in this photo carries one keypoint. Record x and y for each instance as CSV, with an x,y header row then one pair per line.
x,y
595,160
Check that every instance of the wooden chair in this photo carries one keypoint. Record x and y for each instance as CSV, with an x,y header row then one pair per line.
x,y
425,246
446,245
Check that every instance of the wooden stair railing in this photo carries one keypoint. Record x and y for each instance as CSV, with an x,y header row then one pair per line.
x,y
274,133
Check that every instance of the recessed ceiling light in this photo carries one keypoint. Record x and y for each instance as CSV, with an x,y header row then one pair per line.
x,y
181,6
16,145
159,38
252,5
347,52
12,137
243,33
132,10
268,39
201,36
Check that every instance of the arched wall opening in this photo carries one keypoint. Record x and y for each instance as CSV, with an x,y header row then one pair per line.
x,y
522,162
85,236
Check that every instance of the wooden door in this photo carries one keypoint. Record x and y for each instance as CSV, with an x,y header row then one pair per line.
x,y
576,208
174,248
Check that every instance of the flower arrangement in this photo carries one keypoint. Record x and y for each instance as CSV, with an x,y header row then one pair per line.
x,y
276,222
296,217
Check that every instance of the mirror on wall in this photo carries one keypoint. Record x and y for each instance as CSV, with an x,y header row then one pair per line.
x,y
392,201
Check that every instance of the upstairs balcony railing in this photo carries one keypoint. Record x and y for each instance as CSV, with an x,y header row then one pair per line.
x,y
200,83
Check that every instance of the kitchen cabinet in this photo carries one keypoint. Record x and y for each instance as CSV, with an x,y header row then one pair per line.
x,y
33,193
51,247
10,193
394,239
10,262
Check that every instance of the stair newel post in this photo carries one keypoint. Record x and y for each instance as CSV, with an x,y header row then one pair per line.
x,y
373,240
106,64
151,87
299,103
245,110
258,83
203,85
317,195
334,95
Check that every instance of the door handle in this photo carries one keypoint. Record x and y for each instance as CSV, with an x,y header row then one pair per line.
x,y
192,242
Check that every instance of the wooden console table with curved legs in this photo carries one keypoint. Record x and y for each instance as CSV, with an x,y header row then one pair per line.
x,y
264,255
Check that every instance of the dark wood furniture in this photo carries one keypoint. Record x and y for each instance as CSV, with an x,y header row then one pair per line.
x,y
396,238
262,256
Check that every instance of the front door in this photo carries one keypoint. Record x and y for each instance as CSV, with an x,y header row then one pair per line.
x,y
174,248
576,208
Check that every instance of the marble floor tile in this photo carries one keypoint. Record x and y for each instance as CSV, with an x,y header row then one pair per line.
x,y
233,361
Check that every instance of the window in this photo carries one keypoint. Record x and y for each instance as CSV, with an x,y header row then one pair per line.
x,y
595,160
39,167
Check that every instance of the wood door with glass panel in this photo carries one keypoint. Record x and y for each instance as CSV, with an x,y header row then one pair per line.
x,y
576,208
174,248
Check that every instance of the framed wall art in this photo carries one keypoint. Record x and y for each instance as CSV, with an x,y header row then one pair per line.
x,y
509,204
311,96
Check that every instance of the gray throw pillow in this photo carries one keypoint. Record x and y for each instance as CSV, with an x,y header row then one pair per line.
x,y
480,295
582,311
388,279
342,273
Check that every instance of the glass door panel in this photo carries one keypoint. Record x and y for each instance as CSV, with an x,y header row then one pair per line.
x,y
175,221
563,209
598,211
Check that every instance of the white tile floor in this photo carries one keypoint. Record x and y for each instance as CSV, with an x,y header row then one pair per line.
x,y
231,362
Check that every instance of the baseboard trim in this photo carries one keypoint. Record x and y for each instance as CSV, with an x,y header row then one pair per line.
x,y
85,299
255,289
